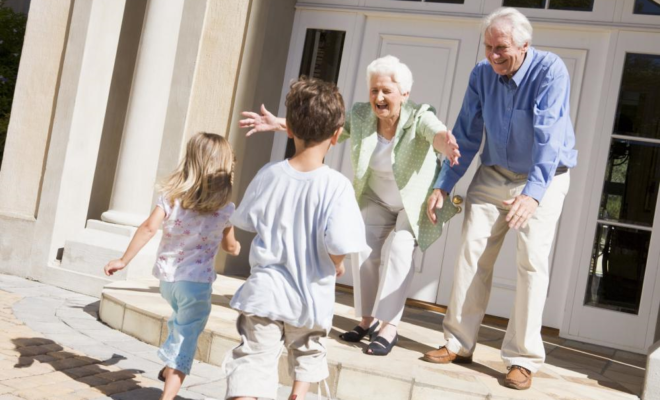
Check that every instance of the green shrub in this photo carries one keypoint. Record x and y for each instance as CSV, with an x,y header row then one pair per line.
x,y
12,32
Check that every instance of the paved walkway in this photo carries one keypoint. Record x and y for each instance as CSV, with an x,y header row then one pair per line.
x,y
52,346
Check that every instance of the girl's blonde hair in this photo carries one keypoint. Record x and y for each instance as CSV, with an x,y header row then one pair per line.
x,y
204,179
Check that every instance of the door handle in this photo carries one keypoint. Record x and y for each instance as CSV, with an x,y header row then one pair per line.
x,y
457,200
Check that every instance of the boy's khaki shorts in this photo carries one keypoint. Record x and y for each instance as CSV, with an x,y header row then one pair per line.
x,y
252,365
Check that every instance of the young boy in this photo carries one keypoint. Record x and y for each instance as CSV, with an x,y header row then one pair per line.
x,y
306,219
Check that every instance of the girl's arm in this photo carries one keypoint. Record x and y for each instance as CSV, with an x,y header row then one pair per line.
x,y
263,122
339,264
142,236
229,242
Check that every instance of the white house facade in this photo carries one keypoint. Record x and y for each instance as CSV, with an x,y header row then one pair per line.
x,y
108,92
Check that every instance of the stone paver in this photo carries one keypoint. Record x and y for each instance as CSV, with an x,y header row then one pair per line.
x,y
46,340
52,346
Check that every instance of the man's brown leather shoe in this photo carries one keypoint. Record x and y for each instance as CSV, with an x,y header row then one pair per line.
x,y
518,378
444,356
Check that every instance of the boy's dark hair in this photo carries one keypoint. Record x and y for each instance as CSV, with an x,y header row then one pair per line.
x,y
314,110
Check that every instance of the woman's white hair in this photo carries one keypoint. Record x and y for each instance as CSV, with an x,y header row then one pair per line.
x,y
521,29
391,66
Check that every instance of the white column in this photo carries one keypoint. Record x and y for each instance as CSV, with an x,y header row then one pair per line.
x,y
145,121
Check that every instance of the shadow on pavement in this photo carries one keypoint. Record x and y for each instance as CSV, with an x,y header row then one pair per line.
x,y
44,356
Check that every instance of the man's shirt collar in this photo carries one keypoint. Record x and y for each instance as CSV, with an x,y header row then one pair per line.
x,y
522,71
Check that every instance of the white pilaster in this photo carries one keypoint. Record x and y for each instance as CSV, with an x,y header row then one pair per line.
x,y
145,121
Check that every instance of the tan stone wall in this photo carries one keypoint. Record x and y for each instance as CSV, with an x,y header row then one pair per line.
x,y
29,132
33,107
69,112
217,67
259,82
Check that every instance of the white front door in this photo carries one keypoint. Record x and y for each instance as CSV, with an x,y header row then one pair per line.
x,y
614,302
581,52
440,56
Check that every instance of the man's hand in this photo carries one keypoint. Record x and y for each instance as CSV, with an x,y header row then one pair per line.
x,y
522,209
263,122
445,143
340,269
435,201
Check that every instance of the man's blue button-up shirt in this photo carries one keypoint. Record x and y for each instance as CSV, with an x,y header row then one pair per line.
x,y
527,121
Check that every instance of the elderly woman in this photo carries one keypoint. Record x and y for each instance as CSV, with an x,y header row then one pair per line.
x,y
395,166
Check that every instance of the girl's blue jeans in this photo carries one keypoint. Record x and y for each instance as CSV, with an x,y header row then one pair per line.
x,y
191,305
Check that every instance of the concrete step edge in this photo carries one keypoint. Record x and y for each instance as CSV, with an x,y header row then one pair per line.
x,y
342,381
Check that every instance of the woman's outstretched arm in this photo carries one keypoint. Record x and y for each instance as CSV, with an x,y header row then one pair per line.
x,y
263,122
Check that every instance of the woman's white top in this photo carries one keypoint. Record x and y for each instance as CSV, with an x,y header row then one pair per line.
x,y
381,178
190,242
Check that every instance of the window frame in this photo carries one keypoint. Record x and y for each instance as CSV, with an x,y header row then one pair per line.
x,y
627,15
469,7
603,11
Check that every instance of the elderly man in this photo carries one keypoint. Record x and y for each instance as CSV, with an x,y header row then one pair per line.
x,y
520,95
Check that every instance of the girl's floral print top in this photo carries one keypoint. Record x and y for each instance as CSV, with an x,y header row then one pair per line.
x,y
190,241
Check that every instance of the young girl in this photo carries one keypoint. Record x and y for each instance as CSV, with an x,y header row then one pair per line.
x,y
194,208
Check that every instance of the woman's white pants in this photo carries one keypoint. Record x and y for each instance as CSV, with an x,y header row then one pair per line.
x,y
382,279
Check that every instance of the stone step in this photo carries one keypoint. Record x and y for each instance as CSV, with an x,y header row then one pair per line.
x,y
573,371
89,250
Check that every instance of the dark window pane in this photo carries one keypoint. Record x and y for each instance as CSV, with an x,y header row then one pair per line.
x,y
446,1
524,3
638,109
631,183
646,7
322,54
618,263
321,59
572,5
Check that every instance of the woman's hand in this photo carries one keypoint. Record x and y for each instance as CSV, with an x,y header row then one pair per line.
x,y
435,201
445,143
114,266
264,122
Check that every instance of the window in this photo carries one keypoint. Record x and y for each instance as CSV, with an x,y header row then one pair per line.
x,y
646,7
630,191
438,1
321,59
567,5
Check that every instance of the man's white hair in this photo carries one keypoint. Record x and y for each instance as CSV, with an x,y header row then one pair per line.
x,y
391,66
521,29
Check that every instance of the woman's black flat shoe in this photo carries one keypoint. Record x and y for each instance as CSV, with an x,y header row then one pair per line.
x,y
380,346
358,333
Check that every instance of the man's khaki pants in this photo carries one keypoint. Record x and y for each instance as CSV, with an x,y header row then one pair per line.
x,y
484,229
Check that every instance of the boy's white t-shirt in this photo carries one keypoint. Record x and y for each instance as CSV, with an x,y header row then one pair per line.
x,y
300,218
190,242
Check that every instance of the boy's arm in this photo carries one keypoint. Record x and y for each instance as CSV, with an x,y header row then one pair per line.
x,y
229,242
142,236
339,264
